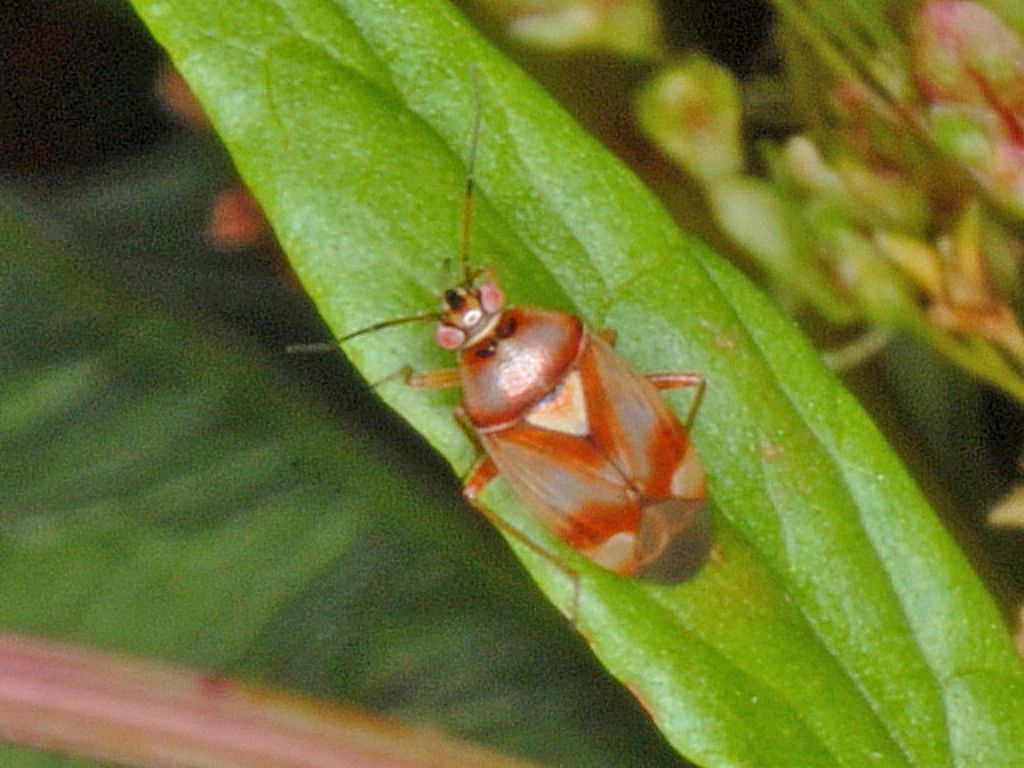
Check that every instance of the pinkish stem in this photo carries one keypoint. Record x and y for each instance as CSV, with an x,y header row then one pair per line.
x,y
92,704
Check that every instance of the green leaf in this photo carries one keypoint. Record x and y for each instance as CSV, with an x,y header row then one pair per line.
x,y
162,494
837,624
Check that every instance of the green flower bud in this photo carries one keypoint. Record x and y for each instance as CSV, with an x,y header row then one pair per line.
x,y
628,27
691,111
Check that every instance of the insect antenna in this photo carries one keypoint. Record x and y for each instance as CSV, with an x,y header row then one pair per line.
x,y
330,346
469,274
467,199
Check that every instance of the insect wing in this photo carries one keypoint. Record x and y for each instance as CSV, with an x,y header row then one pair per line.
x,y
634,427
565,480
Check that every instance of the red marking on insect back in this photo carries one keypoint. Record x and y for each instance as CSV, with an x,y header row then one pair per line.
x,y
594,524
632,424
666,449
583,454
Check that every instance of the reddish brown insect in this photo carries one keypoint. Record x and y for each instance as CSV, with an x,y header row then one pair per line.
x,y
587,443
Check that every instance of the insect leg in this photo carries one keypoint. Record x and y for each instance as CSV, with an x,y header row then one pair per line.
x,y
474,485
446,377
675,380
679,380
478,479
440,379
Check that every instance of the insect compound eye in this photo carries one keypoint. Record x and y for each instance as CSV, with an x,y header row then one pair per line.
x,y
454,299
449,337
492,298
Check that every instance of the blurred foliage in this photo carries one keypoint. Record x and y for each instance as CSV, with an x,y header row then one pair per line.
x,y
899,205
